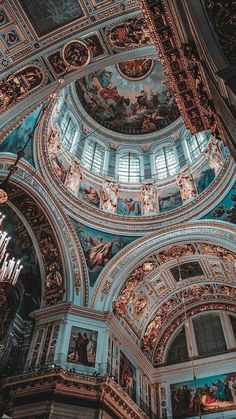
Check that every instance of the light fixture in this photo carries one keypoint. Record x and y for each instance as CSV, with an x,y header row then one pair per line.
x,y
9,268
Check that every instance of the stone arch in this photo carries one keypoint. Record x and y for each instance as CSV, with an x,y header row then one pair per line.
x,y
60,249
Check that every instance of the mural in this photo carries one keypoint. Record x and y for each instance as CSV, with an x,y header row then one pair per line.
x,y
187,270
169,200
226,210
205,395
99,248
125,106
127,375
204,179
90,194
128,33
48,16
17,139
129,206
82,346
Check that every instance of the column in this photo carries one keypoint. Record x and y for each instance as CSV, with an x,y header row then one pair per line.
x,y
228,331
190,338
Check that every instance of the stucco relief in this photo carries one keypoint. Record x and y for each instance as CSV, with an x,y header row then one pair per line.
x,y
20,84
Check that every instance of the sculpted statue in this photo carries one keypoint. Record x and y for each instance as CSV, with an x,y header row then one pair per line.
x,y
53,142
74,177
186,185
109,196
149,198
213,155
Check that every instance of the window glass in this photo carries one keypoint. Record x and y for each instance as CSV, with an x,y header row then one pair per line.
x,y
93,156
209,335
68,130
233,322
196,145
165,162
178,351
129,167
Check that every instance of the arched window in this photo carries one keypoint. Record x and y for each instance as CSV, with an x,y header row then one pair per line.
x,y
165,162
93,156
68,130
178,351
196,145
209,334
129,167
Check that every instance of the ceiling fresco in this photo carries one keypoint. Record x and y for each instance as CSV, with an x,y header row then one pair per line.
x,y
51,15
131,98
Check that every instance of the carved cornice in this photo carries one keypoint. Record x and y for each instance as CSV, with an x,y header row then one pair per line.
x,y
182,66
61,382
81,211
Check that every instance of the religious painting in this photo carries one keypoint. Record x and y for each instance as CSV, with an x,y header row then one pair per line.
x,y
17,139
57,62
136,69
4,20
129,206
169,199
82,346
226,210
128,33
10,38
128,106
49,16
94,45
99,248
204,178
204,395
76,54
127,376
89,194
187,270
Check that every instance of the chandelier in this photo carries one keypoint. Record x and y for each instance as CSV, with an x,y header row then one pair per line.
x,y
9,268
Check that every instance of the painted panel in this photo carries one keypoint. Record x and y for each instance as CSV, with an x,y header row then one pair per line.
x,y
205,395
99,248
129,206
127,375
83,346
170,199
17,139
226,210
204,178
187,270
51,15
